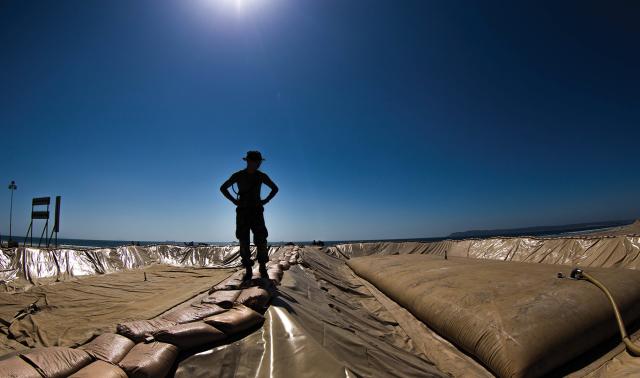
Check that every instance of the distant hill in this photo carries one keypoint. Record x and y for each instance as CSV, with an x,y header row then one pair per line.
x,y
540,230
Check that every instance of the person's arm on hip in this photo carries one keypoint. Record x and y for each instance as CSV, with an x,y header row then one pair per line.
x,y
225,189
274,189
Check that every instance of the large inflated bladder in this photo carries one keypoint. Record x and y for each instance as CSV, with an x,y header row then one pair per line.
x,y
519,319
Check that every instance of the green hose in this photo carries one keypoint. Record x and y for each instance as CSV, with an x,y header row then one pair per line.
x,y
631,347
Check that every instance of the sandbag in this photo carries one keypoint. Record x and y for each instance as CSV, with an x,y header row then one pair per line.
x,y
254,297
16,367
233,282
237,319
138,330
57,361
222,298
109,347
149,360
519,319
192,313
190,335
100,369
275,274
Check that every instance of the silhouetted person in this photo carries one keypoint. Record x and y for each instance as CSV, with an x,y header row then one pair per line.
x,y
249,210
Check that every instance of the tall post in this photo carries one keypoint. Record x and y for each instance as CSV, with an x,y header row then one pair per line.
x,y
12,187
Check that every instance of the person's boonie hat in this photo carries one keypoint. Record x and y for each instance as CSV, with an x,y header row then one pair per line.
x,y
253,156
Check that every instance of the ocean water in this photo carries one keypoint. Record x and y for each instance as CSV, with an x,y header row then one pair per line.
x,y
569,230
89,243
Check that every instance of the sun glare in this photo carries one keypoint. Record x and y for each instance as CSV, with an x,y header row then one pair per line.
x,y
237,6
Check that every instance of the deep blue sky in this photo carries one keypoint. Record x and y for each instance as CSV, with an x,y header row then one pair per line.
x,y
379,119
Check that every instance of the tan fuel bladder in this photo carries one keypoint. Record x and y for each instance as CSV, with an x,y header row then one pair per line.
x,y
519,319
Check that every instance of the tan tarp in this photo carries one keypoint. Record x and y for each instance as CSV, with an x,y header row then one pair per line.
x,y
519,319
72,312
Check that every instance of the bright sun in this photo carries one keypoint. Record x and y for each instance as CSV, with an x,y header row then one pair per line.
x,y
238,5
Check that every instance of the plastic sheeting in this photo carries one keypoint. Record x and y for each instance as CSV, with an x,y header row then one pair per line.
x,y
600,251
519,319
281,348
21,268
322,322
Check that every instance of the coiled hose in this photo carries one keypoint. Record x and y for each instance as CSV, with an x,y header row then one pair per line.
x,y
578,274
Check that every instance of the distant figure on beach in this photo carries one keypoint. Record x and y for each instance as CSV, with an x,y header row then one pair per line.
x,y
250,209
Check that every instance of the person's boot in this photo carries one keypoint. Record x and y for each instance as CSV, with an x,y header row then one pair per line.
x,y
248,274
263,271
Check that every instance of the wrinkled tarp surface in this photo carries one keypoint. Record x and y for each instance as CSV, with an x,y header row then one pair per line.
x,y
612,252
70,313
323,322
326,321
22,267
158,341
520,319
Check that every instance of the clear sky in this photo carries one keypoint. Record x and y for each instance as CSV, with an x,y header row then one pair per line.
x,y
378,119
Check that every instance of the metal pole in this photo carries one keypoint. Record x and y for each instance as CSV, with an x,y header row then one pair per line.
x,y
10,215
12,187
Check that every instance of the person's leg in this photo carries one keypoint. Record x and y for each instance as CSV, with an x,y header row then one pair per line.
x,y
243,227
260,235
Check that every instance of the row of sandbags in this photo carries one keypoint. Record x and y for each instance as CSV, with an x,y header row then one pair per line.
x,y
149,348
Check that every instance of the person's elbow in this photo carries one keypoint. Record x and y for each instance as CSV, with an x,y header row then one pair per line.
x,y
223,188
274,189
